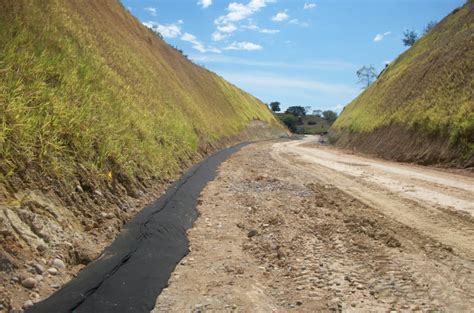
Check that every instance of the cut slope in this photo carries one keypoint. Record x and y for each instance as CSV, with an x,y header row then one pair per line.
x,y
421,108
83,82
97,113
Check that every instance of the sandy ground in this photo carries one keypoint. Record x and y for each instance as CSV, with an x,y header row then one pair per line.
x,y
293,226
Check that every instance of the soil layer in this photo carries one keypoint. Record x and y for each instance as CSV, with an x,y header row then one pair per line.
x,y
404,145
295,226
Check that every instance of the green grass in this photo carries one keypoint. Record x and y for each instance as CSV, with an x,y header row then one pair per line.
x,y
313,125
308,124
429,88
85,85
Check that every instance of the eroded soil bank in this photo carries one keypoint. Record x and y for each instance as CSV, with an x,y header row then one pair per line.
x,y
406,145
283,229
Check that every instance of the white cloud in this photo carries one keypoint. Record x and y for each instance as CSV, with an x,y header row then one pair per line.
x,y
295,21
380,37
174,30
217,36
188,37
268,31
244,45
309,6
167,31
204,3
338,108
236,12
193,40
151,11
213,49
229,28
280,16
255,27
273,81
323,65
196,44
251,26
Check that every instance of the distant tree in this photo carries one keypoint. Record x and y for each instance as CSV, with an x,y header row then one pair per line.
x,y
297,111
307,109
429,27
317,113
290,121
330,116
366,75
275,106
409,37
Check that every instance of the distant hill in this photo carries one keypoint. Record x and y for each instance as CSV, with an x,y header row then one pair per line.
x,y
308,124
313,124
421,108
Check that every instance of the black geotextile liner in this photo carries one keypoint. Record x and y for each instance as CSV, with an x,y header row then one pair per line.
x,y
134,269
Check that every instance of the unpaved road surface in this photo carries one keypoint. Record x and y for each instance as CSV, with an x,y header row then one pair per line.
x,y
293,226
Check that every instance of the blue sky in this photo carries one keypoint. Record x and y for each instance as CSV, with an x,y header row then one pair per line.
x,y
298,52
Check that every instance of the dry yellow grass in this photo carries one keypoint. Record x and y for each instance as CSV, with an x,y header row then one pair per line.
x,y
84,84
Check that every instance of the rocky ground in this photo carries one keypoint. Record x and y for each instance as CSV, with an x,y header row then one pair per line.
x,y
279,233
44,244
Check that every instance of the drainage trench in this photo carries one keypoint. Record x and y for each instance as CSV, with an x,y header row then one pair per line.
x,y
134,269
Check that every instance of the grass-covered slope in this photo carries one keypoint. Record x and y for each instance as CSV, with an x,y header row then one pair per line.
x,y
83,85
422,106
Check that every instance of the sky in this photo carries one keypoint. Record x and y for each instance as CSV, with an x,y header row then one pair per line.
x,y
297,52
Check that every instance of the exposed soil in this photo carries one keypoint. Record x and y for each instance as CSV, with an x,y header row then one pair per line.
x,y
398,143
40,228
43,219
295,226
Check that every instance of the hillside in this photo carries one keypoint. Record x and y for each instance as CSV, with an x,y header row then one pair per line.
x,y
313,124
85,82
307,124
421,108
95,112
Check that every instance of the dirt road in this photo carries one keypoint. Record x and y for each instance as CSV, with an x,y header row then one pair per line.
x,y
419,197
296,226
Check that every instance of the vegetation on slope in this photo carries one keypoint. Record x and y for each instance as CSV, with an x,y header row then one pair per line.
x,y
83,85
306,124
428,89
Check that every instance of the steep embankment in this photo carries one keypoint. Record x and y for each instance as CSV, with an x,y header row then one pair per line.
x,y
95,110
421,108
